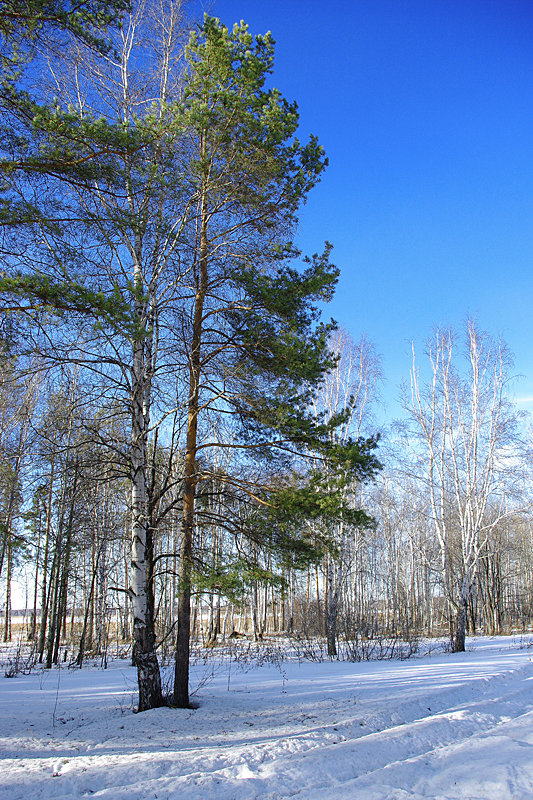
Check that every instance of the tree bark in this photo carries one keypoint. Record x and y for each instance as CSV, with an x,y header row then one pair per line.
x,y
181,668
9,572
145,657
332,595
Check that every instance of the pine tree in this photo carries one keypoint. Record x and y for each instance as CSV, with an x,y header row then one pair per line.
x,y
256,349
38,139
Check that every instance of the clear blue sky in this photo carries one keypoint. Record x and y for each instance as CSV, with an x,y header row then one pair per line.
x,y
425,109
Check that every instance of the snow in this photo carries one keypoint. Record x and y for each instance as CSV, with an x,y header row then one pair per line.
x,y
442,727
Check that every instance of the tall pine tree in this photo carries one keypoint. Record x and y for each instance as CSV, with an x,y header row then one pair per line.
x,y
256,349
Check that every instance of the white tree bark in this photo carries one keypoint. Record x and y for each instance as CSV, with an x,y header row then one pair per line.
x,y
464,425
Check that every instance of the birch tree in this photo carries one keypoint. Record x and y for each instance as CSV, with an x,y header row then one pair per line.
x,y
349,391
122,246
468,452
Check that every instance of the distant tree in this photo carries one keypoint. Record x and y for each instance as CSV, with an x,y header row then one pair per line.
x,y
19,391
347,394
464,437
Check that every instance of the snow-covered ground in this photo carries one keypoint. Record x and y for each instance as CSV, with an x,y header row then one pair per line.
x,y
443,726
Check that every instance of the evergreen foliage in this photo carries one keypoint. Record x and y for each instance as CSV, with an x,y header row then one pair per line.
x,y
39,139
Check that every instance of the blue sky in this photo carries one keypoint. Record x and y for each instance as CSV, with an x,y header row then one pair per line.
x,y
425,109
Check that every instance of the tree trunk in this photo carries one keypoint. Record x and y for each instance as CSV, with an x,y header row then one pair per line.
x,y
53,603
181,667
83,637
45,593
460,628
253,610
461,616
144,653
33,630
65,567
9,572
332,604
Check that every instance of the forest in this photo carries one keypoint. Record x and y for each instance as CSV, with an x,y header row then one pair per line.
x,y
189,455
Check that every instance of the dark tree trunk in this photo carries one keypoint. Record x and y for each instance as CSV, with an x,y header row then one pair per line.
x,y
9,572
332,604
460,627
181,669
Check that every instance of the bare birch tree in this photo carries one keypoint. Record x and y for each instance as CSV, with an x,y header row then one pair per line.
x,y
350,388
467,450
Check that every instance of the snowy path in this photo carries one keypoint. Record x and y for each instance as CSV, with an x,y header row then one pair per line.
x,y
443,727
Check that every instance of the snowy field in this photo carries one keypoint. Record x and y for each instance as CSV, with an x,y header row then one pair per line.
x,y
442,726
